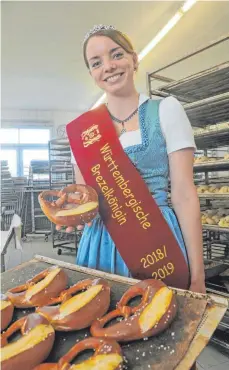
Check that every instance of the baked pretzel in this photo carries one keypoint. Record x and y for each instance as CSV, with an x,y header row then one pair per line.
x,y
76,204
76,312
154,314
32,348
38,290
107,355
7,310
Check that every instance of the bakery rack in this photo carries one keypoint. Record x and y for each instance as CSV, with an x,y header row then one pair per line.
x,y
35,223
61,174
205,98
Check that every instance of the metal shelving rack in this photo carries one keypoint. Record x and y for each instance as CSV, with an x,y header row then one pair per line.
x,y
205,98
61,174
35,222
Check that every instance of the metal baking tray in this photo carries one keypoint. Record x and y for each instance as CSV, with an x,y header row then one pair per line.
x,y
198,317
212,139
201,85
208,111
216,196
213,268
215,228
217,165
225,279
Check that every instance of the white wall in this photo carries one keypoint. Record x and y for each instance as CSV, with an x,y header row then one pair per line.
x,y
32,117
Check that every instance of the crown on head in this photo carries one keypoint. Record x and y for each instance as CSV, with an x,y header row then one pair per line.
x,y
97,28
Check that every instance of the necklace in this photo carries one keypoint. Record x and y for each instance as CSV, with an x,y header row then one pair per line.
x,y
122,121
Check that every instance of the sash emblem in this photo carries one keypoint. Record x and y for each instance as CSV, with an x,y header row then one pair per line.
x,y
90,136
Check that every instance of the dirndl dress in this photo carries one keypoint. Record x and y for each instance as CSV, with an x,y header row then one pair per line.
x,y
96,248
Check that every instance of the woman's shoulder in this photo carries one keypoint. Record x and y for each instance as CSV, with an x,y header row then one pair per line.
x,y
166,103
167,107
170,102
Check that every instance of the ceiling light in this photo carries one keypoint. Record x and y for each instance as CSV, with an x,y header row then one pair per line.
x,y
171,23
187,5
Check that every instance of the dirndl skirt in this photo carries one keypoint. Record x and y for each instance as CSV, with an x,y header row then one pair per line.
x,y
97,250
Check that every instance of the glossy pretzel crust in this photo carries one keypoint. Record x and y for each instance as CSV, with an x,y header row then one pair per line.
x,y
129,328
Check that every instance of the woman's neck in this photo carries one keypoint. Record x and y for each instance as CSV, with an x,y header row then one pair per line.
x,y
122,106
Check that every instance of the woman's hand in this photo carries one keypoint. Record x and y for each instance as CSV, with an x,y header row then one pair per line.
x,y
198,286
70,229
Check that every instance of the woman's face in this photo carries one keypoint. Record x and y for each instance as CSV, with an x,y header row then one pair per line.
x,y
110,65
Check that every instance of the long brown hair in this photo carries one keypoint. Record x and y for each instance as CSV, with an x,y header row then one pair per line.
x,y
115,35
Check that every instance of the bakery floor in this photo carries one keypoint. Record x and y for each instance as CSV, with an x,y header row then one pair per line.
x,y
211,358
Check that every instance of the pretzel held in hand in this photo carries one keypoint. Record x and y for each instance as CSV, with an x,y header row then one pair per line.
x,y
76,205
7,309
78,311
32,348
107,355
153,315
38,291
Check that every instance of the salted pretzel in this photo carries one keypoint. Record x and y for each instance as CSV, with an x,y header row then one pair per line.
x,y
153,315
32,348
78,311
6,311
76,204
38,290
107,355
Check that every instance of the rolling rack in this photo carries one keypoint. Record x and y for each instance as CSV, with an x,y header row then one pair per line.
x,y
12,195
35,223
61,174
205,98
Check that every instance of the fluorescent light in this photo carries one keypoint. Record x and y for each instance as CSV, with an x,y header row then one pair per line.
x,y
187,5
171,23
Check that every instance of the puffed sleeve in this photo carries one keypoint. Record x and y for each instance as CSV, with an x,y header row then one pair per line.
x,y
175,125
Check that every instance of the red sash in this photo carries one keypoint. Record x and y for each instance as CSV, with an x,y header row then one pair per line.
x,y
127,208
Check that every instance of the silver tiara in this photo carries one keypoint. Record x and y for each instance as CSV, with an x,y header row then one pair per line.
x,y
97,28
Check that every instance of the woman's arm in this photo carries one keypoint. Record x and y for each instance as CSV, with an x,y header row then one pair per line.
x,y
185,203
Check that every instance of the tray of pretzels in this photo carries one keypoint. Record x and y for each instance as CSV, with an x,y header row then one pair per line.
x,y
58,316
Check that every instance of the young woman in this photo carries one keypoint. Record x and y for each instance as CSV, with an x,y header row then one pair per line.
x,y
161,146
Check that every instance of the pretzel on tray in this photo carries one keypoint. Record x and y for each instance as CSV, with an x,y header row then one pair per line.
x,y
76,204
78,311
108,355
6,310
153,315
38,290
32,348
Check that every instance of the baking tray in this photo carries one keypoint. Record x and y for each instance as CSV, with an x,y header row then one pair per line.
x,y
213,268
212,166
177,348
225,278
215,228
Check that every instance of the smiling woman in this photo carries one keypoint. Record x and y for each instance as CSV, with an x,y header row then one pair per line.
x,y
117,57
157,137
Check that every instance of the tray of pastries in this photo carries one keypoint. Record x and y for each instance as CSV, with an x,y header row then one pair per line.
x,y
125,323
215,217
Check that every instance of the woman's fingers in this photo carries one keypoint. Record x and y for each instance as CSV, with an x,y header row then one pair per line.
x,y
80,227
70,229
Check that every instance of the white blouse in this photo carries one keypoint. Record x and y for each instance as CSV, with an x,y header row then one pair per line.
x,y
175,127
